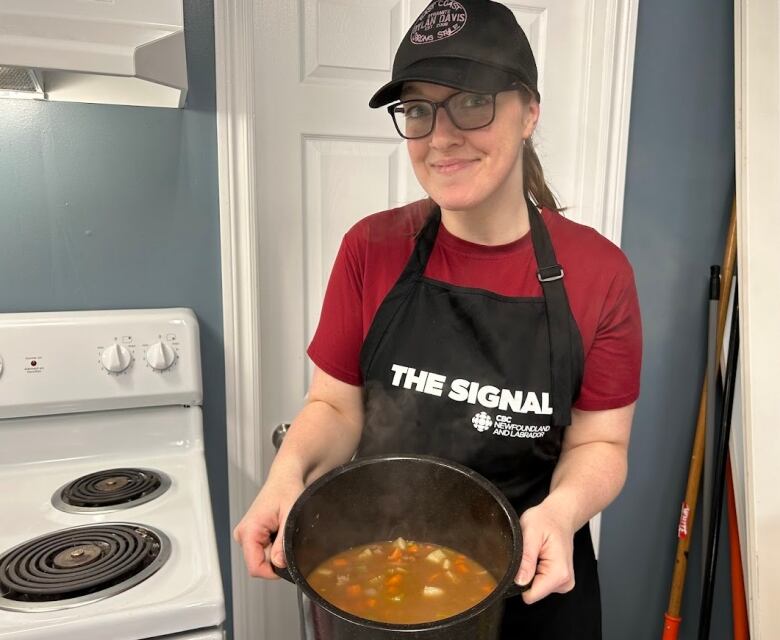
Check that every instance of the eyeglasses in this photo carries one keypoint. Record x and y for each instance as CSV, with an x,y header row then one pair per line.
x,y
416,118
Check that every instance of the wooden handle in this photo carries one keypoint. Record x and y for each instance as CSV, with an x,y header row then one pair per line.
x,y
688,512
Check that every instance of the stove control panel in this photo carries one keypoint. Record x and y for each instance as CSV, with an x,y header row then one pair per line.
x,y
73,361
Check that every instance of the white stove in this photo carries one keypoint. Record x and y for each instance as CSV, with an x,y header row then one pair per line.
x,y
106,530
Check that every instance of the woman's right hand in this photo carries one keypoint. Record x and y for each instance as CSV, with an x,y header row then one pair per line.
x,y
266,517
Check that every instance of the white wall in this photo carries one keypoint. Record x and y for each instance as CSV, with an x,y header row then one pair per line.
x,y
757,86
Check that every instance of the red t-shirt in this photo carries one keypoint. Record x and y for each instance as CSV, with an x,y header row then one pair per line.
x,y
598,278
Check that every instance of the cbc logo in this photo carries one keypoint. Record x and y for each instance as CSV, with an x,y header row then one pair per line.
x,y
482,421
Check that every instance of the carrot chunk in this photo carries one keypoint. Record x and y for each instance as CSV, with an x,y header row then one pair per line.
x,y
354,590
395,579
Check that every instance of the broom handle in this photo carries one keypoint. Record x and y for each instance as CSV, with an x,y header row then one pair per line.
x,y
672,616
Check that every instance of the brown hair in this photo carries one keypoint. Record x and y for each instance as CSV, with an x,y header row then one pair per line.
x,y
534,183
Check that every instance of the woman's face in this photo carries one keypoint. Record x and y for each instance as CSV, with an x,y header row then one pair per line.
x,y
462,170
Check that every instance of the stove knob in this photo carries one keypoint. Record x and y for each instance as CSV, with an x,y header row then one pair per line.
x,y
116,358
160,356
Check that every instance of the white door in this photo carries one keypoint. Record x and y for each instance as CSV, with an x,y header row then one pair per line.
x,y
324,160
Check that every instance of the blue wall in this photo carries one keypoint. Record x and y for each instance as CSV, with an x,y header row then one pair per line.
x,y
116,207
678,196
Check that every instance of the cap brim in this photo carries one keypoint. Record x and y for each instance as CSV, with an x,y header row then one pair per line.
x,y
458,73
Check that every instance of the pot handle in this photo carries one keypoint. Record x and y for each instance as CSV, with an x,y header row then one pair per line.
x,y
282,573
515,589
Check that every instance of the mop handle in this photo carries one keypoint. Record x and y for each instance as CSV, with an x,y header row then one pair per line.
x,y
713,536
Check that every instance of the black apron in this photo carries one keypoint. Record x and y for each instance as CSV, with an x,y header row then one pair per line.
x,y
487,381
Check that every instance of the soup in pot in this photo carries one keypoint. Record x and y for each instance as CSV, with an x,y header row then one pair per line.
x,y
402,582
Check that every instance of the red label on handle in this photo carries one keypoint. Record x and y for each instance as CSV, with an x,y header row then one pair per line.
x,y
682,527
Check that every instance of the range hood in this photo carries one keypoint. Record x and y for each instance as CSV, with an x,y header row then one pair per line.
x,y
103,51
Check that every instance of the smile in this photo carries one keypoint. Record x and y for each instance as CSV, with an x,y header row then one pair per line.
x,y
451,166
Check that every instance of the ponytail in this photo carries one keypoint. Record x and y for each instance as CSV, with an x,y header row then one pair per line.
x,y
533,179
533,176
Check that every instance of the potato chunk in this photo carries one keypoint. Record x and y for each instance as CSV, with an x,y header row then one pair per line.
x,y
438,556
400,543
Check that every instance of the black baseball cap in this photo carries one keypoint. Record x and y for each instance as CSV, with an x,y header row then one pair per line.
x,y
472,45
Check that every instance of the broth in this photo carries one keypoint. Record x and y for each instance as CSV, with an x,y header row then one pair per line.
x,y
402,582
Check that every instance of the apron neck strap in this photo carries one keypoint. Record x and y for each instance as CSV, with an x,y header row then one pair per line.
x,y
548,269
550,275
426,238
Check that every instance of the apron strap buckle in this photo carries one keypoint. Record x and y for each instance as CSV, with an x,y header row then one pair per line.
x,y
550,274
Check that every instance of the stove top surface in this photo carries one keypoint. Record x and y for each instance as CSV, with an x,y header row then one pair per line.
x,y
111,490
41,456
79,565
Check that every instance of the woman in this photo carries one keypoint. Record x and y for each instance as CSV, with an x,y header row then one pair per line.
x,y
533,320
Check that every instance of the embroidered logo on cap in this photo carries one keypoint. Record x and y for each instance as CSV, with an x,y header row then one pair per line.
x,y
442,19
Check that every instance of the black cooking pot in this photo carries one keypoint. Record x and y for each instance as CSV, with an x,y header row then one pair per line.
x,y
416,497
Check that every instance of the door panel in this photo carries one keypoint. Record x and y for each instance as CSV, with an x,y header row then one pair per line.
x,y
343,180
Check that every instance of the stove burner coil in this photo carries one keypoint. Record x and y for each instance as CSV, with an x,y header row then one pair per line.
x,y
79,565
110,490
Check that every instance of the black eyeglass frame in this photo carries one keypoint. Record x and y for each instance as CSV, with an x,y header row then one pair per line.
x,y
443,103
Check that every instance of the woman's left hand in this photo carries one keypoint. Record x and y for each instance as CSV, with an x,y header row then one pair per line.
x,y
548,543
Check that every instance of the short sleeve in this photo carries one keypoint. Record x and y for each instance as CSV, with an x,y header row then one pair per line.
x,y
613,362
336,345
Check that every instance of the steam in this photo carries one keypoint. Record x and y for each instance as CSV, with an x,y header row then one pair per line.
x,y
391,423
